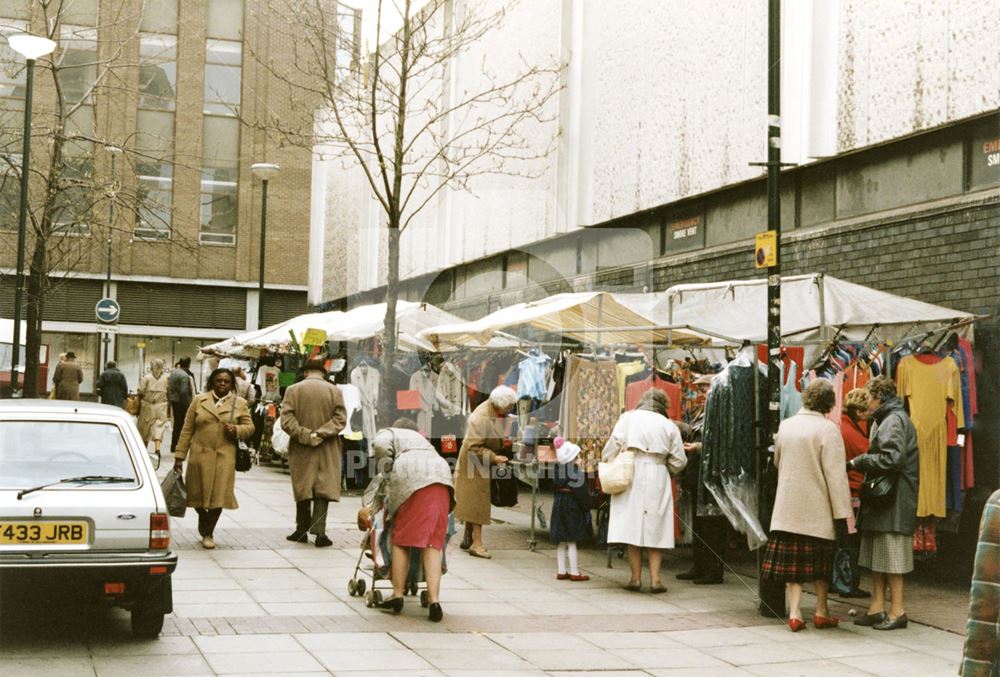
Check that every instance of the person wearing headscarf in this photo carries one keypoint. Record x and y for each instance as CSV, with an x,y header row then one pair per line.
x,y
154,410
642,516
214,423
415,485
483,439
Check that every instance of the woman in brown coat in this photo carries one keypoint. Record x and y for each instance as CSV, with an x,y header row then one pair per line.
x,y
213,424
483,438
67,378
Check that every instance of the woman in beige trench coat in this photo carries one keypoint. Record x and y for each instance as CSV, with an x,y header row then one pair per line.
x,y
154,410
212,426
483,438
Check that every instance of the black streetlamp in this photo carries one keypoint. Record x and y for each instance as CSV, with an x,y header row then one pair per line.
x,y
31,47
114,151
263,171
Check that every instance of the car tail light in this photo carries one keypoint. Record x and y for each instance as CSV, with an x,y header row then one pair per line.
x,y
114,588
157,571
159,531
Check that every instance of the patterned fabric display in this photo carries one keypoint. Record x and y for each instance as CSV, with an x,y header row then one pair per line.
x,y
594,388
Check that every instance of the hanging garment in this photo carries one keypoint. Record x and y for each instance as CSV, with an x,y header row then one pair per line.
x,y
532,377
791,399
593,407
450,391
969,381
424,381
367,379
635,390
626,369
931,390
838,394
968,472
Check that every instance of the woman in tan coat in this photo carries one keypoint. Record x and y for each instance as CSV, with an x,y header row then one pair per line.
x,y
483,438
154,410
812,493
213,424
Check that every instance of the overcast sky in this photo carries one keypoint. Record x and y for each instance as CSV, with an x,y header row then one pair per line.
x,y
390,20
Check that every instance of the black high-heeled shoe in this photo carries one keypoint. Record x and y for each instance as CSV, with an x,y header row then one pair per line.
x,y
393,604
435,613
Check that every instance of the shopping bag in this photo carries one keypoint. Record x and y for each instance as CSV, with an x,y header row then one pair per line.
x,y
175,493
843,572
503,487
616,475
132,404
279,438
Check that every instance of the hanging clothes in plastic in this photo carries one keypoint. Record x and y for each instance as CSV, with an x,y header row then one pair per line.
x,y
424,381
532,379
791,400
727,464
367,380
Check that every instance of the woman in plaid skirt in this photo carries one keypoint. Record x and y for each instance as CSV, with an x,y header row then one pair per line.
x,y
812,494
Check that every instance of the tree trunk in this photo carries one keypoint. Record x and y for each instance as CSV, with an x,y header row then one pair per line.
x,y
35,301
387,406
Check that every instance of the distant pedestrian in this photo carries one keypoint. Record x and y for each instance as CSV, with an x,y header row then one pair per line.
x,y
215,422
642,516
812,495
854,430
981,657
154,408
313,414
570,519
244,388
68,377
112,386
180,391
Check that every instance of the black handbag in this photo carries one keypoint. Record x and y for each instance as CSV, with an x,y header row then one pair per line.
x,y
503,486
879,490
243,459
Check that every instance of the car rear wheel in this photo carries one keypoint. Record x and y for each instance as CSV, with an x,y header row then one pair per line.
x,y
147,621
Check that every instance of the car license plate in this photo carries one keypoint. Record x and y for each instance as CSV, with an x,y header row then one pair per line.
x,y
43,533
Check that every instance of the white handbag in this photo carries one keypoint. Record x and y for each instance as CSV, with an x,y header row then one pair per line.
x,y
616,475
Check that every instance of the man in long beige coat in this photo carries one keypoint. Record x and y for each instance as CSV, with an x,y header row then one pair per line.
x,y
483,438
313,414
67,379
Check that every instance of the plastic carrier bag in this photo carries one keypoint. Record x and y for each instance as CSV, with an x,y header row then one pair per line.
x,y
175,493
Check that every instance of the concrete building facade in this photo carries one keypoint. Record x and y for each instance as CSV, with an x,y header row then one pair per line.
x,y
890,112
185,83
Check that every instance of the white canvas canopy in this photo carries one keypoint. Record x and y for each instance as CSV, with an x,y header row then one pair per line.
x,y
591,317
357,324
813,308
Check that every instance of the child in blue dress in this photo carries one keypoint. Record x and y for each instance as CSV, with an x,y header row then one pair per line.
x,y
570,521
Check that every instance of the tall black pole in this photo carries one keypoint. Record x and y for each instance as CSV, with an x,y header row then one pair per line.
x,y
106,340
22,226
772,595
263,246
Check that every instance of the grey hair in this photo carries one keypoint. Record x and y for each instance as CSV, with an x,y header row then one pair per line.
x,y
654,400
503,397
156,363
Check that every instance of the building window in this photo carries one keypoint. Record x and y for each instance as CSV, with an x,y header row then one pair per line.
x,y
159,16
225,19
78,64
155,134
219,180
223,66
82,12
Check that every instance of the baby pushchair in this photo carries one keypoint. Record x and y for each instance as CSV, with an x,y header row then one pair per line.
x,y
371,577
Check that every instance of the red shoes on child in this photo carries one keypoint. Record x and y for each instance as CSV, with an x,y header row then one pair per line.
x,y
572,577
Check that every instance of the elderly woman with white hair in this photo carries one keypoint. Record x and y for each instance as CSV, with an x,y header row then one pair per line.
x,y
483,439
642,516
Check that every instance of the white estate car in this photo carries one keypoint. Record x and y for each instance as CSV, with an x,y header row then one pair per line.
x,y
80,505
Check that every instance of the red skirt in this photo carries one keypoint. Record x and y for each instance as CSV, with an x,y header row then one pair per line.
x,y
796,558
422,520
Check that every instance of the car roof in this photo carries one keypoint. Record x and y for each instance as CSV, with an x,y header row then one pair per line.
x,y
62,408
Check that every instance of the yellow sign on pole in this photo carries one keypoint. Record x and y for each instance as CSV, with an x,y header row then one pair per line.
x,y
314,337
765,250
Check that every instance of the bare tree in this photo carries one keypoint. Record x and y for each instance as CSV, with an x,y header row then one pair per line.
x,y
67,220
390,116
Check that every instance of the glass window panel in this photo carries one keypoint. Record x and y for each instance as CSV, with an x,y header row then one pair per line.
x,y
159,16
79,132
10,197
155,134
74,197
78,65
222,142
218,204
222,77
224,52
156,195
11,127
225,19
82,12
39,452
157,71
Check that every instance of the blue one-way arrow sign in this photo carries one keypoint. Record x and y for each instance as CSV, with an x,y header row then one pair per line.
x,y
107,311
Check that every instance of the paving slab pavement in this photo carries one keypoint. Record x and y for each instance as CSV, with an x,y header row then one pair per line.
x,y
260,605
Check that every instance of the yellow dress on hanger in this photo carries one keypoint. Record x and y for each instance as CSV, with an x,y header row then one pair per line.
x,y
930,389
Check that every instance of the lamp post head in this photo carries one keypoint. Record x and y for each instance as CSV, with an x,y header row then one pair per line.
x,y
29,46
113,149
264,170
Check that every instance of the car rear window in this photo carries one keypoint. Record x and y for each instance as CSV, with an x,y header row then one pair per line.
x,y
38,452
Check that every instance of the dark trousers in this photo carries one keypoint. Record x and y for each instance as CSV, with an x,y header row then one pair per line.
x,y
310,516
179,411
207,519
710,546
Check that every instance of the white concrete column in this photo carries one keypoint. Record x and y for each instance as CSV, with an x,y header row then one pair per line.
x,y
253,322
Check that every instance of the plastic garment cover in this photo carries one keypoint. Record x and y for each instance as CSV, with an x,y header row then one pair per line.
x,y
728,483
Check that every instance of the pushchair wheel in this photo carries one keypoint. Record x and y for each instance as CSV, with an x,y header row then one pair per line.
x,y
361,587
423,599
355,588
373,598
